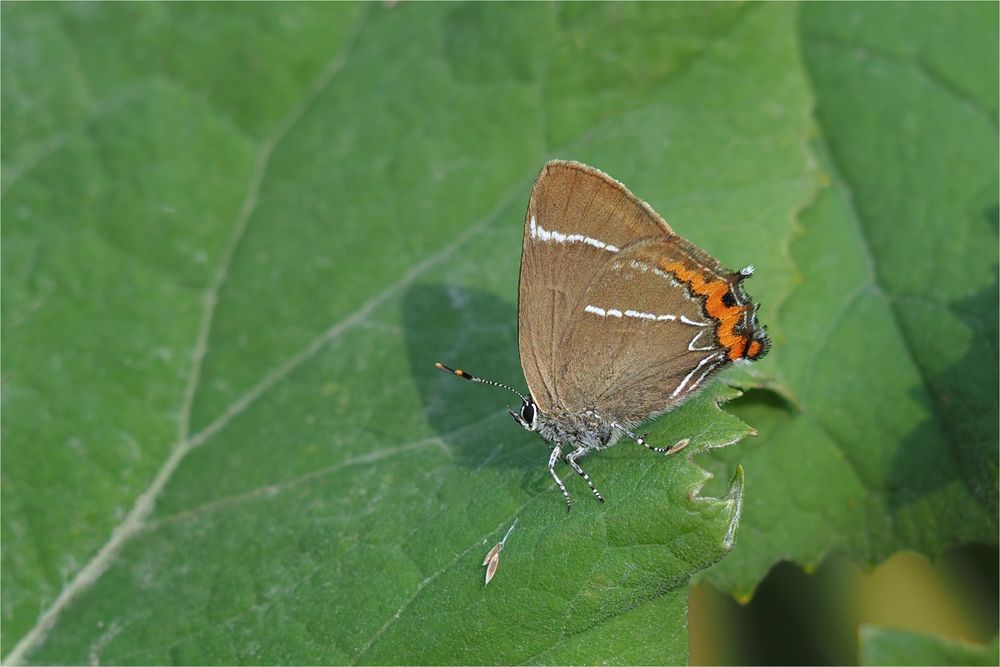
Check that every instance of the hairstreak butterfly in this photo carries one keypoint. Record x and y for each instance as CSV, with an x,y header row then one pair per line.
x,y
619,318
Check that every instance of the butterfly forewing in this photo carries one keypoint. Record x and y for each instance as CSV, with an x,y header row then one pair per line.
x,y
578,220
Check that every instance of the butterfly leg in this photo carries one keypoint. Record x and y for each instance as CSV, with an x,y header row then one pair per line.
x,y
556,454
571,460
672,449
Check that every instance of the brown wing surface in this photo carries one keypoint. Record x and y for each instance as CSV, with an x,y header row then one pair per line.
x,y
639,339
578,220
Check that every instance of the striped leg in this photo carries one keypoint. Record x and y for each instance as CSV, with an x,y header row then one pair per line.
x,y
556,453
672,449
571,460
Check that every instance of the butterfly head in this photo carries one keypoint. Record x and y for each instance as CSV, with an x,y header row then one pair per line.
x,y
527,415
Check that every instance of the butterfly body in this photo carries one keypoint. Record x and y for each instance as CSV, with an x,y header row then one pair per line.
x,y
584,429
620,319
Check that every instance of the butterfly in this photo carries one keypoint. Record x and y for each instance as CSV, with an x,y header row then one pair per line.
x,y
620,319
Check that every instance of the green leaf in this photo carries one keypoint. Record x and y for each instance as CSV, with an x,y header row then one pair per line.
x,y
886,646
888,345
235,242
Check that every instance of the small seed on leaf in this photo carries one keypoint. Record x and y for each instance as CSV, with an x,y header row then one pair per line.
x,y
492,560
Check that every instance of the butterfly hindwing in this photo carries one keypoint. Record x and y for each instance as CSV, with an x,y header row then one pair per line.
x,y
639,340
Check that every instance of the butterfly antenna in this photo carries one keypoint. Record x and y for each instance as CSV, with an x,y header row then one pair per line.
x,y
475,378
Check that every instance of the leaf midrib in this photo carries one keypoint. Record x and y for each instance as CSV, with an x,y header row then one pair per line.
x,y
145,502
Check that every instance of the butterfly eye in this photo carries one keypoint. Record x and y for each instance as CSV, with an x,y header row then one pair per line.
x,y
528,413
728,300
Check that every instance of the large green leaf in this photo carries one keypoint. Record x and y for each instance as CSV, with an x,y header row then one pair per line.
x,y
889,343
886,646
236,239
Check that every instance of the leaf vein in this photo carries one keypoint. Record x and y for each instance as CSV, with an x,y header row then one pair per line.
x,y
908,345
924,71
135,520
274,488
430,578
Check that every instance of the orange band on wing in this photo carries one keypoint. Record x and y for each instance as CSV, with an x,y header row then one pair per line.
x,y
712,292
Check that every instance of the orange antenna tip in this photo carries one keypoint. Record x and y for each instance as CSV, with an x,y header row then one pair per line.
x,y
454,371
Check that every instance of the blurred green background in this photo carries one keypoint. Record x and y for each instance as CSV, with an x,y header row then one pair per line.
x,y
805,618
236,237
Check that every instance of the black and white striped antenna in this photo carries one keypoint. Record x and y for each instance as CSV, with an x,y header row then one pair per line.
x,y
475,378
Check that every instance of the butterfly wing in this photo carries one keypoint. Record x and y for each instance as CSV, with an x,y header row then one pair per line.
x,y
658,320
578,219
